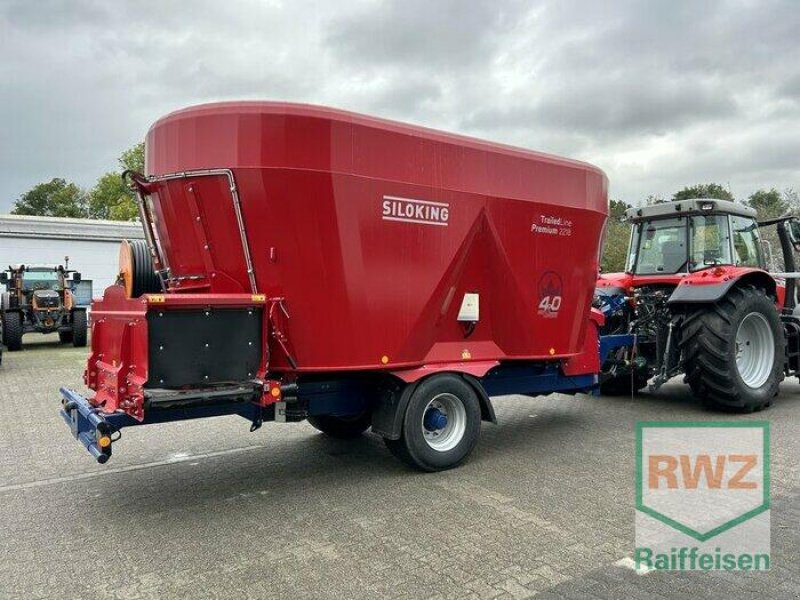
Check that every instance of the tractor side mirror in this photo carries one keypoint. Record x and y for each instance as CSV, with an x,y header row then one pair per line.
x,y
4,278
793,229
76,277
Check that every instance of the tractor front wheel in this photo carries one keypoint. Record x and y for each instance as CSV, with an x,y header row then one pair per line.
x,y
12,331
79,328
734,351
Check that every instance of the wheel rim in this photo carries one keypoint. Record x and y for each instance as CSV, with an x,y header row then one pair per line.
x,y
755,350
444,422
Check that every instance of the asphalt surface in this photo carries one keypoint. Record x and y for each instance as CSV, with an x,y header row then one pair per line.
x,y
206,509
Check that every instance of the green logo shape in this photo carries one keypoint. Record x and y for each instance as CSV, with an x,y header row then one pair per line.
x,y
698,535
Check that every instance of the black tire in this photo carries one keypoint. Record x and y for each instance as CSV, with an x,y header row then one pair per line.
x,y
12,331
342,427
79,328
709,347
65,337
413,447
624,385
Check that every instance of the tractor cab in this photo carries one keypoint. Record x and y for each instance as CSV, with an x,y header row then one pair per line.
x,y
678,238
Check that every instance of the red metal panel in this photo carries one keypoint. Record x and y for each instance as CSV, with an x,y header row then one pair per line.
x,y
117,368
371,285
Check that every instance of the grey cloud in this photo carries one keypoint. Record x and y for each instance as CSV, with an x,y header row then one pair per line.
x,y
660,94
446,33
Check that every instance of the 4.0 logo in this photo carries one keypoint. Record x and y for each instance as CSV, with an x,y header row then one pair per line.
x,y
550,287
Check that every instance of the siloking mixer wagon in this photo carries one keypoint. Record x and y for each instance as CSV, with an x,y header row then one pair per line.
x,y
301,263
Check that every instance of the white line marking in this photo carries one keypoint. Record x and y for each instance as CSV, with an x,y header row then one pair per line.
x,y
629,563
417,201
113,471
414,221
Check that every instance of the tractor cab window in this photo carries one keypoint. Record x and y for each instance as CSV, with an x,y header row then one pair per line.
x,y
40,280
660,246
746,243
711,243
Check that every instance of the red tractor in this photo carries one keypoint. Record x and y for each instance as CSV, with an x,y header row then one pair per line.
x,y
696,298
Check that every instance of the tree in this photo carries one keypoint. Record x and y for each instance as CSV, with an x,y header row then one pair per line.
x,y
111,198
792,199
703,190
57,198
133,158
768,203
615,247
616,209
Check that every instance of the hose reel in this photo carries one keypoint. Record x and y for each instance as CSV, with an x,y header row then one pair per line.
x,y
136,270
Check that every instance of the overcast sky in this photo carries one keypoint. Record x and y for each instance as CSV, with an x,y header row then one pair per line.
x,y
658,94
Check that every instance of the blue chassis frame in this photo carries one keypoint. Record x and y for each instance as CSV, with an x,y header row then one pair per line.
x,y
88,423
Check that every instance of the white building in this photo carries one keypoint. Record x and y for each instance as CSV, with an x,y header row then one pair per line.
x,y
92,247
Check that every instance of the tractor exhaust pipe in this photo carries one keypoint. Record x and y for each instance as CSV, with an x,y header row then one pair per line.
x,y
789,265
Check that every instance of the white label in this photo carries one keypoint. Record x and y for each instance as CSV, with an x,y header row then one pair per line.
x,y
407,210
552,225
469,311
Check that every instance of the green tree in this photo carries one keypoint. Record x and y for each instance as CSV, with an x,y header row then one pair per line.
x,y
616,209
111,198
703,190
768,203
56,198
133,158
615,247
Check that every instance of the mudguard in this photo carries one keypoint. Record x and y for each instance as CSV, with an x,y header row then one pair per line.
x,y
701,293
698,290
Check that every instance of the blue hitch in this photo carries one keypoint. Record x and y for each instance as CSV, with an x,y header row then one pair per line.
x,y
93,429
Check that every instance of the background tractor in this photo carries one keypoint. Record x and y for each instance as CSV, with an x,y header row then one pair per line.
x,y
40,298
696,298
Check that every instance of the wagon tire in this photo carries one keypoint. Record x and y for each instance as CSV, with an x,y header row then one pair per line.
x,y
734,351
342,427
79,328
12,331
441,425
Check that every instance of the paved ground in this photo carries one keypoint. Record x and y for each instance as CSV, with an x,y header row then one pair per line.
x,y
206,509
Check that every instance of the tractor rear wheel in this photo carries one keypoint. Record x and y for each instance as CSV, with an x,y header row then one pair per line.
x,y
733,351
79,328
342,427
12,330
65,337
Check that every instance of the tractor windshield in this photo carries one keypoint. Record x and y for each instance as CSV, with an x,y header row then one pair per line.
x,y
669,246
711,241
659,246
40,280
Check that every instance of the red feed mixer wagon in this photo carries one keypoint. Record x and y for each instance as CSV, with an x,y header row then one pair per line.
x,y
308,263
